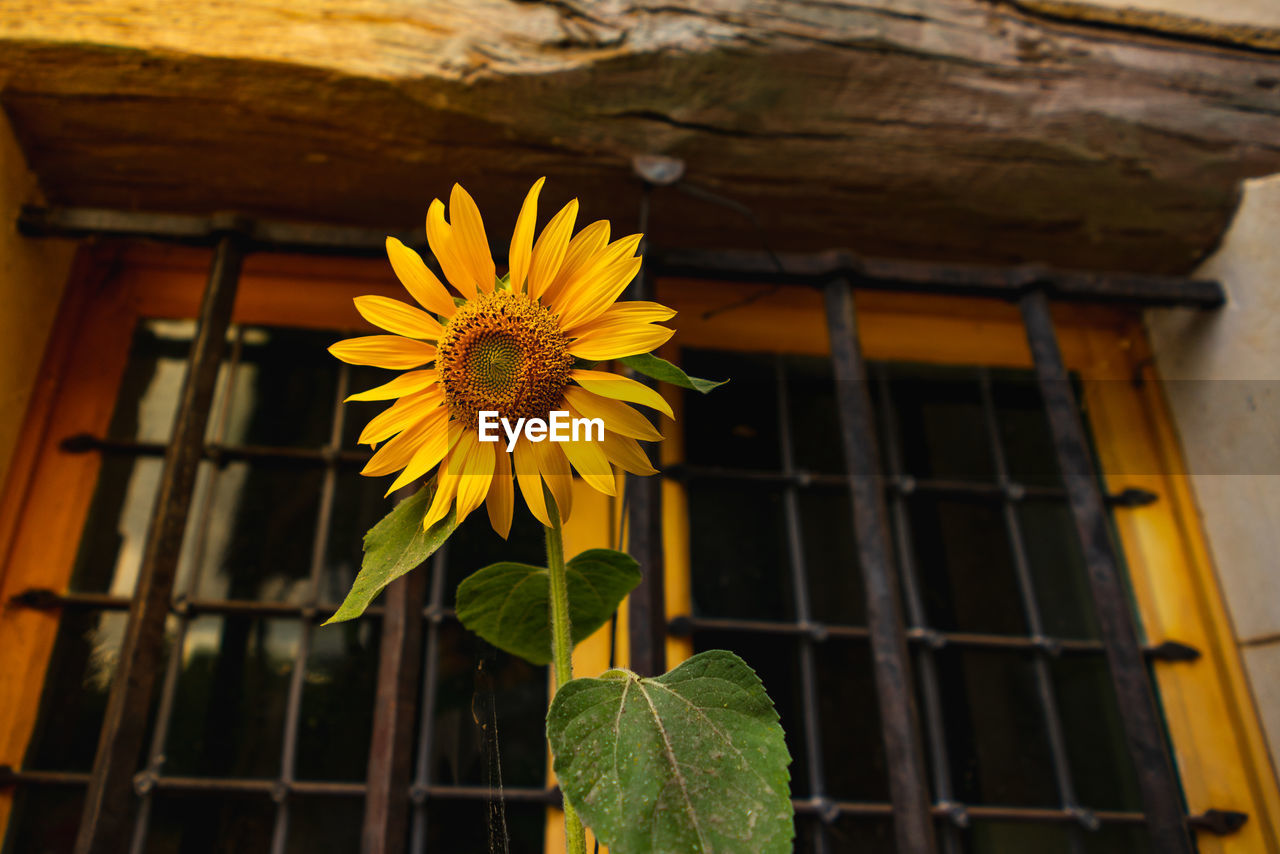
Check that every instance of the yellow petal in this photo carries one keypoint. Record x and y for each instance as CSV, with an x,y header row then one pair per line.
x,y
401,386
477,474
595,297
430,451
398,317
589,459
522,243
598,347
621,388
582,248
556,472
626,454
402,415
418,279
396,453
549,251
526,465
443,245
637,311
384,351
501,503
446,490
580,285
469,240
617,416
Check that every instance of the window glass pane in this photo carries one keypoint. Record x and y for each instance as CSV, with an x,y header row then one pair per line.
x,y
258,531
74,700
209,823
851,736
152,383
964,566
1104,775
228,713
737,425
318,824
836,592
284,389
1057,569
1118,839
45,819
860,835
738,551
115,533
815,424
941,430
476,825
1024,429
358,504
999,837
336,718
995,729
484,702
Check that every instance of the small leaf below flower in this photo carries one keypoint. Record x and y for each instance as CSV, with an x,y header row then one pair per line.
x,y
394,546
691,761
508,604
663,371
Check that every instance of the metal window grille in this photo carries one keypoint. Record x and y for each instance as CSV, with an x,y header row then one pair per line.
x,y
398,784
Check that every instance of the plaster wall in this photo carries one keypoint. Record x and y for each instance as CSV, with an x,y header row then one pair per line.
x,y
1257,13
33,274
1222,379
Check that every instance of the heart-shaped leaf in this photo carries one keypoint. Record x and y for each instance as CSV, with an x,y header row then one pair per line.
x,y
508,604
691,761
394,546
663,371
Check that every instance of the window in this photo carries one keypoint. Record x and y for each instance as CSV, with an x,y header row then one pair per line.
x,y
259,733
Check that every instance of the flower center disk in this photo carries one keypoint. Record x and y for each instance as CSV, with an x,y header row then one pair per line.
x,y
504,353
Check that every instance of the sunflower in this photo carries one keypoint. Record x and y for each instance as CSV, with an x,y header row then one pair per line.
x,y
520,346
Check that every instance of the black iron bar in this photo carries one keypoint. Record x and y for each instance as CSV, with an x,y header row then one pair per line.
x,y
1031,614
219,454
971,280
319,553
800,590
42,599
813,269
905,484
912,821
105,820
1218,822
646,617
684,626
931,692
430,688
1162,800
386,812
173,668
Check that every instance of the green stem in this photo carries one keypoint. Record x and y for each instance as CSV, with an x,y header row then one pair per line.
x,y
575,840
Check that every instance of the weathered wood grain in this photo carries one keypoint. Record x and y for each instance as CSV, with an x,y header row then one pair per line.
x,y
958,129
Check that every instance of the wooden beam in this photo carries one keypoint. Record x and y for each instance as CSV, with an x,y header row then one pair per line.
x,y
944,129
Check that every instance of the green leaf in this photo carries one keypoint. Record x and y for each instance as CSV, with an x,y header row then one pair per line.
x,y
663,371
508,604
393,547
692,761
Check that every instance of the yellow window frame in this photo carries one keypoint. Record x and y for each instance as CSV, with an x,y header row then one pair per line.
x,y
1215,728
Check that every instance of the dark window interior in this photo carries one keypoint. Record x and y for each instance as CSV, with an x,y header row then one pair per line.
x,y
953,439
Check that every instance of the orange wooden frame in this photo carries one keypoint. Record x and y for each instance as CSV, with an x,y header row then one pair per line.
x,y
1216,733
